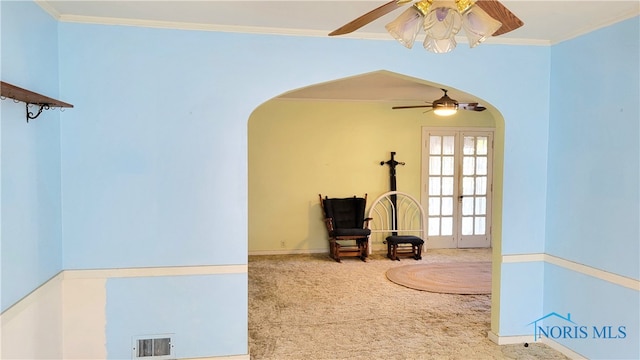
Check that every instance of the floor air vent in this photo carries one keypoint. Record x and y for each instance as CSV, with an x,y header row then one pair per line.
x,y
153,347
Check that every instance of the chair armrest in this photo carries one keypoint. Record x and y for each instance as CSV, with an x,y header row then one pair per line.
x,y
366,222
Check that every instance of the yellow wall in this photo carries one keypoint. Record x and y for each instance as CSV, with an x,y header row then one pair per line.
x,y
299,149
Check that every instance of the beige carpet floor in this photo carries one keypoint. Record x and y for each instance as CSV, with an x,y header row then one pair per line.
x,y
310,307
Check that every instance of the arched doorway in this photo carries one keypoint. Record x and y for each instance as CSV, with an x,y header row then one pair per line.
x,y
329,138
301,141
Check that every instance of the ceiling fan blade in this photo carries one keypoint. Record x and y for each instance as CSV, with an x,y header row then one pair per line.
x,y
411,107
472,107
369,17
496,10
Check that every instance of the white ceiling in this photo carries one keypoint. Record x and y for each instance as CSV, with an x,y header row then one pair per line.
x,y
545,23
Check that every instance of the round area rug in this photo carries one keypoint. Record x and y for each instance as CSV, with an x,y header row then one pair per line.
x,y
465,278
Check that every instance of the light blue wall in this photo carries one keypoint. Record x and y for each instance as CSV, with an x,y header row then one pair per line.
x,y
154,158
521,297
31,235
154,174
155,154
215,304
593,202
151,173
593,303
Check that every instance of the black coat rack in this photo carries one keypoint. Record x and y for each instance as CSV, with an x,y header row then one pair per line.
x,y
392,184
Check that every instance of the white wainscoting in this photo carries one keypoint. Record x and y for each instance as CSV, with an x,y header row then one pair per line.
x,y
569,265
65,318
32,328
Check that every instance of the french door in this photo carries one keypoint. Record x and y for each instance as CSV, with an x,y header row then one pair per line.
x,y
457,187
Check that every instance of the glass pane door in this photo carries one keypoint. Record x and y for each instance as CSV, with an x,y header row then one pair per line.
x,y
474,195
441,189
457,188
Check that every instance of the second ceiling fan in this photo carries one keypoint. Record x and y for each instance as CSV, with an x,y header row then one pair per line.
x,y
445,106
441,21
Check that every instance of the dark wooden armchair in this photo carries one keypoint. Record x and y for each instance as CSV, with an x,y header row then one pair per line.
x,y
347,226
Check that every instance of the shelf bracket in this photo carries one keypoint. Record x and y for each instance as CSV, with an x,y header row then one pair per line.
x,y
30,115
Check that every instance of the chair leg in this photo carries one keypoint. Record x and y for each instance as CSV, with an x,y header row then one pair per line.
x,y
417,252
392,251
330,248
334,251
363,246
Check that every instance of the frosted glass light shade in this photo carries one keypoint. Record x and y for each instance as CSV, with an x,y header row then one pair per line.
x,y
442,23
445,111
406,26
439,46
478,25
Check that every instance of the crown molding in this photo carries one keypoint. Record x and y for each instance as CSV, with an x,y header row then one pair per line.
x,y
594,27
48,8
261,30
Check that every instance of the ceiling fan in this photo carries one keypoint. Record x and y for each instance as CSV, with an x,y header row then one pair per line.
x,y
446,106
441,21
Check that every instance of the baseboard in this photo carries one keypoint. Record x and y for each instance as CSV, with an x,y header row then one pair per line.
x,y
381,251
528,339
562,349
289,252
510,340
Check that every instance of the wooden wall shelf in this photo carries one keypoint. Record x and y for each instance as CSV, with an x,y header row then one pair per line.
x,y
31,98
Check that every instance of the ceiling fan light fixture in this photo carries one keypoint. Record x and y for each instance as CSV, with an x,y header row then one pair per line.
x,y
406,26
445,111
480,22
464,5
478,25
442,23
439,46
441,26
445,106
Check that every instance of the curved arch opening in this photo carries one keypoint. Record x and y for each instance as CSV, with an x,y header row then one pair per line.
x,y
329,138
